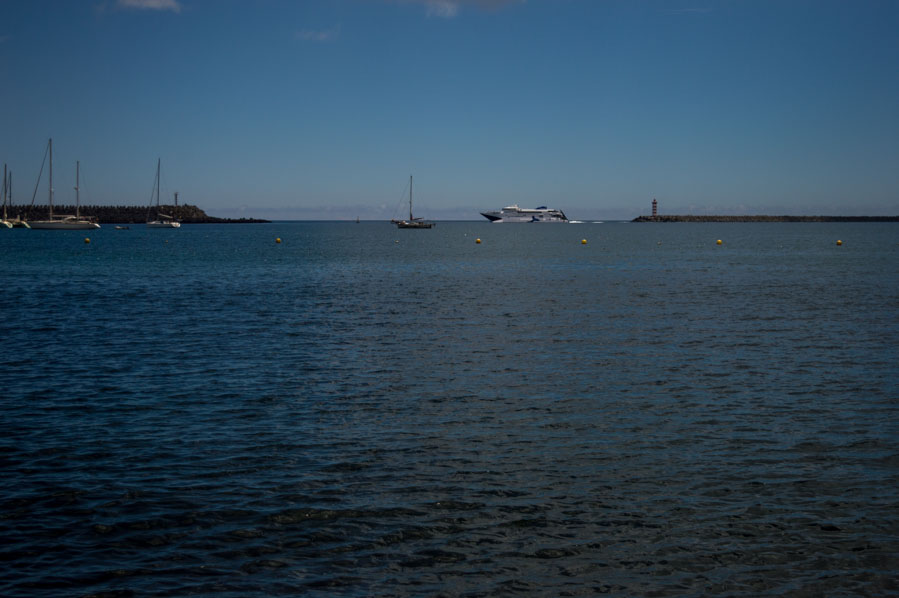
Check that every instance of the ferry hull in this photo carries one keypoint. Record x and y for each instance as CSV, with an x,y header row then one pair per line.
x,y
518,215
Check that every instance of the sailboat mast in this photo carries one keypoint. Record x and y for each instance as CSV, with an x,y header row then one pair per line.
x,y
158,162
410,198
77,192
4,191
51,178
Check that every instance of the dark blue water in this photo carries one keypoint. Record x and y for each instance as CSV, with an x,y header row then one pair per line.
x,y
361,410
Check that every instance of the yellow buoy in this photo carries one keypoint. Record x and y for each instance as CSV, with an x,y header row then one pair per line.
x,y
583,241
839,242
477,241
87,239
278,240
718,241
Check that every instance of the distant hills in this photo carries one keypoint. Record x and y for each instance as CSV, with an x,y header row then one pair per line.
x,y
186,213
766,219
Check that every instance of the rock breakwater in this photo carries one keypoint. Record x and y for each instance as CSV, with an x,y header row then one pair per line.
x,y
690,218
188,214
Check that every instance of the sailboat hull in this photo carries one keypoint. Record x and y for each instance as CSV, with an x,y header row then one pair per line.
x,y
163,225
63,224
413,224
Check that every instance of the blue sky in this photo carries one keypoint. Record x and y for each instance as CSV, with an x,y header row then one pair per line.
x,y
321,109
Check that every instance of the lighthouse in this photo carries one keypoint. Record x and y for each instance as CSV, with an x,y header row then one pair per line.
x,y
655,208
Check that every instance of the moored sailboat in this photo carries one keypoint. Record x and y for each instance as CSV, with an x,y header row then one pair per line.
x,y
63,222
412,222
8,222
5,223
162,220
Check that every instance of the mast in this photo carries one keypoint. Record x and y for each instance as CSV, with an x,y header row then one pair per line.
x,y
77,196
4,191
158,162
410,198
51,178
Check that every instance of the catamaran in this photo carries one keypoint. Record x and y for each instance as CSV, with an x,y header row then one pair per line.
x,y
515,214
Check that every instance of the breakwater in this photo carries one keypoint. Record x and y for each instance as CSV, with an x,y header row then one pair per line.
x,y
691,218
186,213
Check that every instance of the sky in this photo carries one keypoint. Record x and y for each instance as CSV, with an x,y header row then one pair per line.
x,y
322,109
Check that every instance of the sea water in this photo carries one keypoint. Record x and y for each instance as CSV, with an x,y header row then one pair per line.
x,y
356,410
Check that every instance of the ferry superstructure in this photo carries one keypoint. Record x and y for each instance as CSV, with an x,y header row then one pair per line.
x,y
514,213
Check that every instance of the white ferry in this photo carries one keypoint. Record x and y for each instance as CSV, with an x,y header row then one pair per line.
x,y
515,214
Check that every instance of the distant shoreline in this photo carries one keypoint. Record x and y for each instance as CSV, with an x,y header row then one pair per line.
x,y
672,218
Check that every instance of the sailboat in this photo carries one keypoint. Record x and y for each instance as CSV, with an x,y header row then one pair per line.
x,y
5,223
64,222
412,222
162,220
8,222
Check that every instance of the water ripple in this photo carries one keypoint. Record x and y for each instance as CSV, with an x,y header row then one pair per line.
x,y
346,415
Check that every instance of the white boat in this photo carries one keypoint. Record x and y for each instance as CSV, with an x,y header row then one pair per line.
x,y
412,222
514,213
161,220
64,222
163,223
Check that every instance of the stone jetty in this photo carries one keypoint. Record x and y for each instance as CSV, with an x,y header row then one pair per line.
x,y
690,218
185,213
